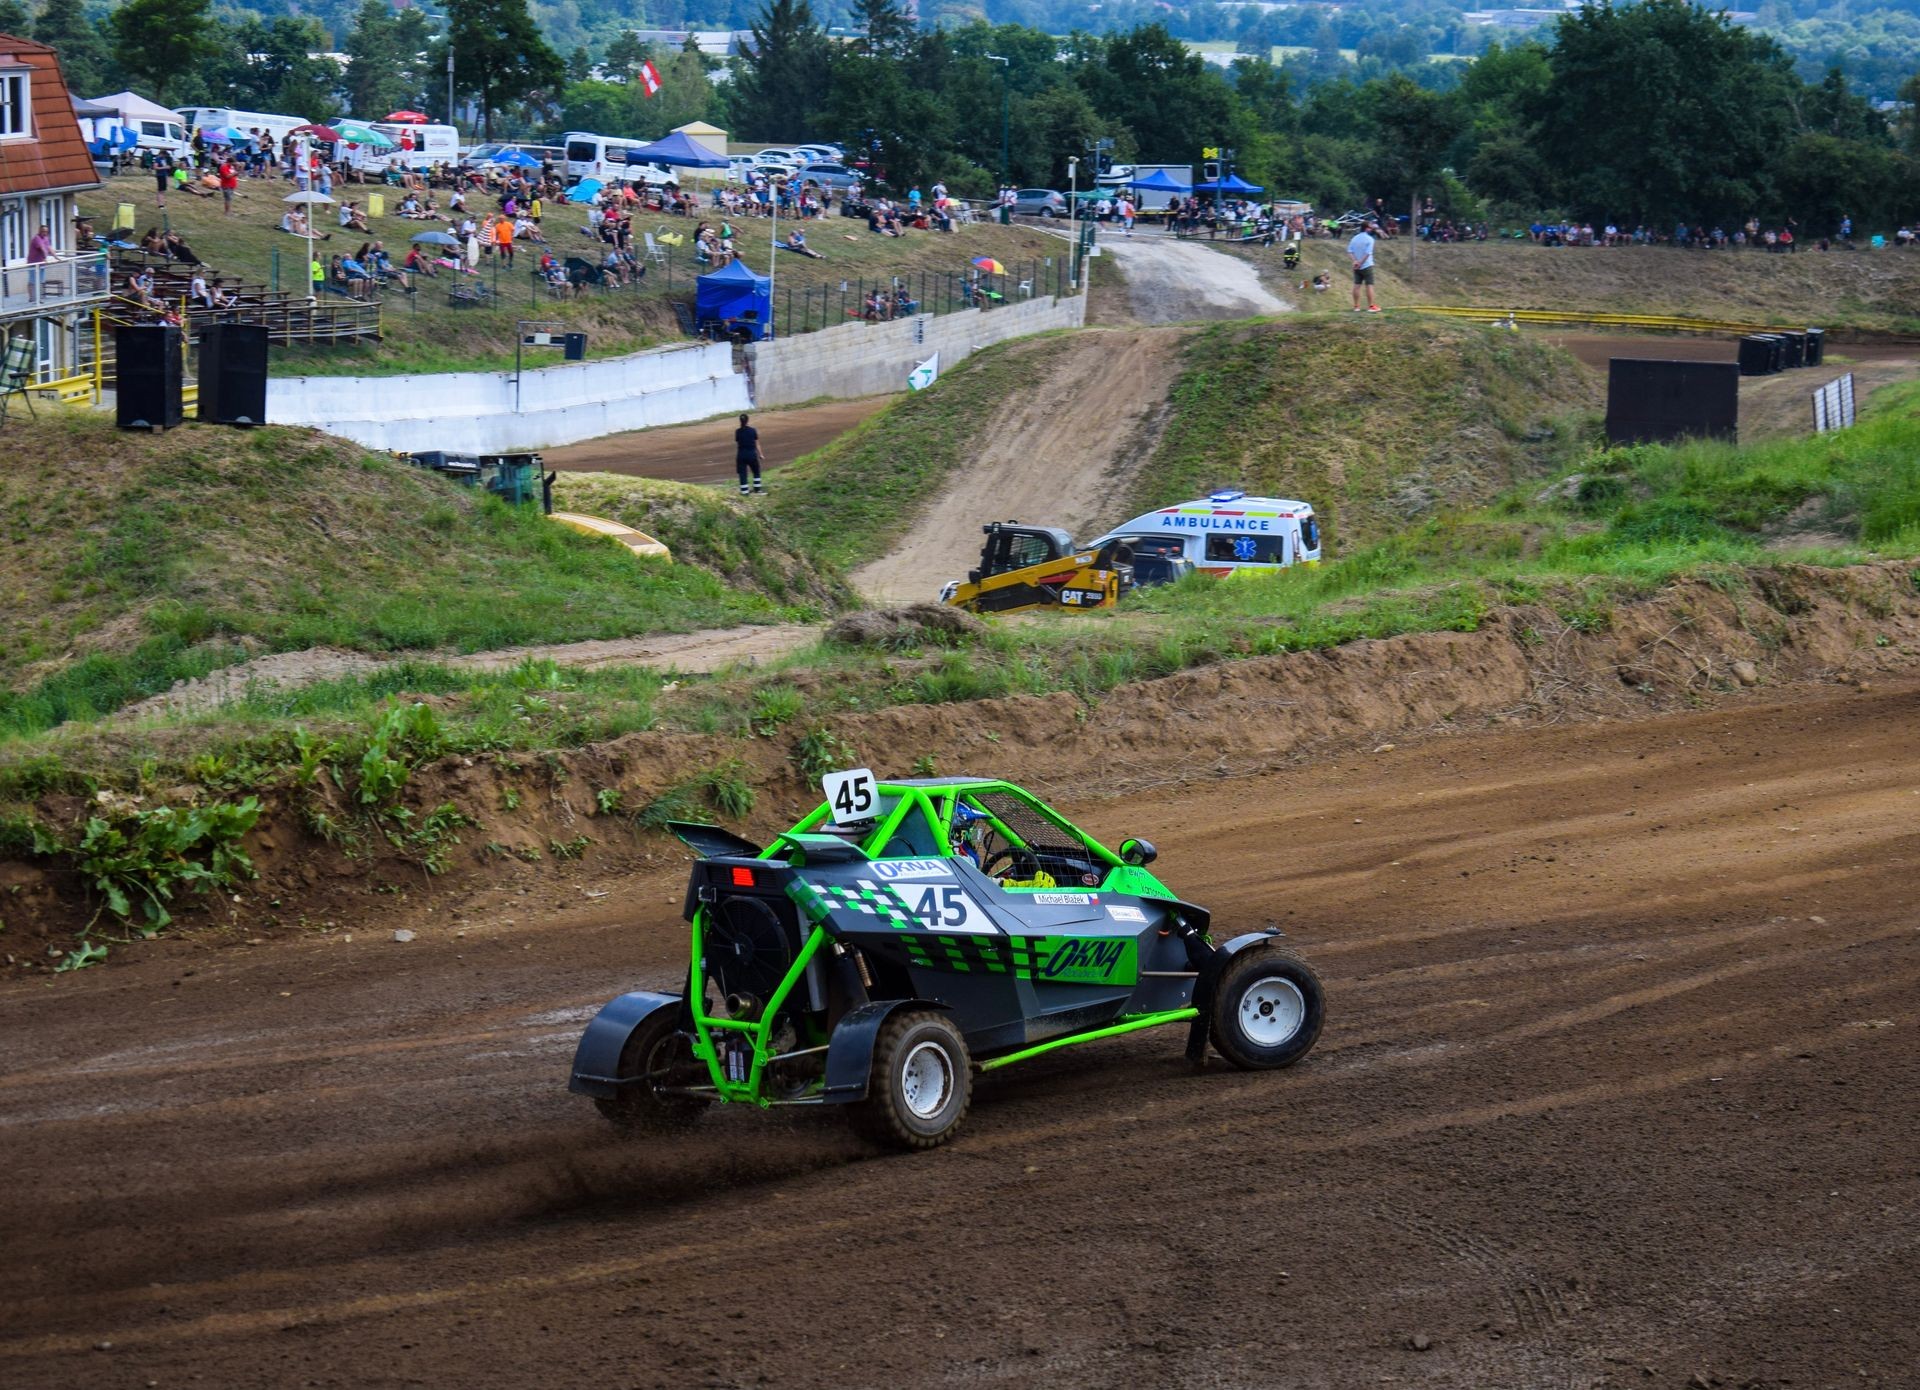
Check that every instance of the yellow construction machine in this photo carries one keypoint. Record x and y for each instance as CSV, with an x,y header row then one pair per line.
x,y
1024,567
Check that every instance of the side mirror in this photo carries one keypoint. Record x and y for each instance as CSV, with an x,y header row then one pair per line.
x,y
1138,853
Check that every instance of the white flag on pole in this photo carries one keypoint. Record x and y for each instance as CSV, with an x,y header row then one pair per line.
x,y
924,375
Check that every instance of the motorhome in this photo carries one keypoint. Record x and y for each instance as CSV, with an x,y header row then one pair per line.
x,y
419,146
226,118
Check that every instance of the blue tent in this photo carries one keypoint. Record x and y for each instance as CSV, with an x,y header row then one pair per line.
x,y
728,295
1232,183
583,191
1159,181
519,159
677,150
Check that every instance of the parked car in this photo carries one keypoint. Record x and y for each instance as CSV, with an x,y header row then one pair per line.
x,y
825,154
1040,202
778,155
829,175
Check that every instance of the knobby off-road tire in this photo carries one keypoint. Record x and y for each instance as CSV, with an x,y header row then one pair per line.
x,y
1267,1009
921,1085
639,1108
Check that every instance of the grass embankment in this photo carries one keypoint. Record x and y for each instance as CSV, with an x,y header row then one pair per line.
x,y
1866,289
1376,423
133,561
423,333
1608,525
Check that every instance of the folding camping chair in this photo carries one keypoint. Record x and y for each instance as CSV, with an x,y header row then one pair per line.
x,y
16,375
654,253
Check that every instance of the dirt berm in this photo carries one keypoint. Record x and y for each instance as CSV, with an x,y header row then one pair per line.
x,y
1687,644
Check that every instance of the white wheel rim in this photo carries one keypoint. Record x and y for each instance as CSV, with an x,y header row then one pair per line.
x,y
926,1080
1272,1010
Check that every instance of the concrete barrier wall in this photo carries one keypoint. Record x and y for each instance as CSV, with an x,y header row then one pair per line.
x,y
871,359
473,412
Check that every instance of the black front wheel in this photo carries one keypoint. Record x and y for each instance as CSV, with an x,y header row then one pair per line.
x,y
922,1082
1267,1009
658,1056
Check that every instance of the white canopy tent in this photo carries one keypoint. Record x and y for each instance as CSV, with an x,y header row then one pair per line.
x,y
131,106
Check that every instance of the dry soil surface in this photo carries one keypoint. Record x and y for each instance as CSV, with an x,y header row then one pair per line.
x,y
1616,1090
1172,281
703,452
1058,455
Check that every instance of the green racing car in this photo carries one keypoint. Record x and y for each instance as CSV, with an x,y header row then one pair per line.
x,y
907,935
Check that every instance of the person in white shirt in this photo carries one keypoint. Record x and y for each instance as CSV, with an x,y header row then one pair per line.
x,y
1126,213
1360,250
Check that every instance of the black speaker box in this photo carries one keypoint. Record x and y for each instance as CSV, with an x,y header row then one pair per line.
x,y
233,373
1816,346
147,377
1759,354
1650,401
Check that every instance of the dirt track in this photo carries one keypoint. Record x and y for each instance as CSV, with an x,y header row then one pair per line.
x,y
1616,1091
1059,454
703,452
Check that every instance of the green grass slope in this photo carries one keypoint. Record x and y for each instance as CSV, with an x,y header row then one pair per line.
x,y
128,561
1376,422
849,502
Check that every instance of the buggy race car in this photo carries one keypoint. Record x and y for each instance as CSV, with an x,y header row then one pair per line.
x,y
907,935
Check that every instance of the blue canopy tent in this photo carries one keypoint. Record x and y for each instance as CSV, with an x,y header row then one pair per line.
x,y
678,151
518,159
1232,183
736,299
583,191
1159,181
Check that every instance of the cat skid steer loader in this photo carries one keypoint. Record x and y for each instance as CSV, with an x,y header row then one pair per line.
x,y
1024,567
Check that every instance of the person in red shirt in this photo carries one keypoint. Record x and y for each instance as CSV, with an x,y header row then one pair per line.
x,y
229,181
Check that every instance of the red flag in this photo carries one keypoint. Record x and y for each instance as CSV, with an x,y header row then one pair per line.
x,y
650,78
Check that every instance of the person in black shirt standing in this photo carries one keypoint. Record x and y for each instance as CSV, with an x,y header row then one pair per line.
x,y
747,455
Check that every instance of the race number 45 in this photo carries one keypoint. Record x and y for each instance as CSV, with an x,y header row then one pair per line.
x,y
852,797
948,909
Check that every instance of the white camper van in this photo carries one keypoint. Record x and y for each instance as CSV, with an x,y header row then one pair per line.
x,y
226,118
418,146
1225,533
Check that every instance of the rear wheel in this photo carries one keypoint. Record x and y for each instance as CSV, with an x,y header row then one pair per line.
x,y
1267,1009
922,1082
657,1053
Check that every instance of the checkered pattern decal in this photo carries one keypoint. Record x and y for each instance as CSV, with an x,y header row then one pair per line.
x,y
873,899
959,955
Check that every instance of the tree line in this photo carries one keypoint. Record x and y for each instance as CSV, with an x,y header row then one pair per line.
x,y
1653,112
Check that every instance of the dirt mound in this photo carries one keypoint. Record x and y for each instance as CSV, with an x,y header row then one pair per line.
x,y
911,626
1693,642
1060,453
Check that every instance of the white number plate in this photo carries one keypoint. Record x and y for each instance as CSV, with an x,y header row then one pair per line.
x,y
853,797
946,908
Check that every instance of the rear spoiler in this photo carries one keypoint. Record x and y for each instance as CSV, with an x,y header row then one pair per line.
x,y
711,842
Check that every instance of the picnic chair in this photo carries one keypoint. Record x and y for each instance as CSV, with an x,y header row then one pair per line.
x,y
654,253
473,295
16,375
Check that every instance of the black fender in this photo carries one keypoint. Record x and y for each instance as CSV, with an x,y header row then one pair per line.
x,y
850,1049
1210,969
596,1062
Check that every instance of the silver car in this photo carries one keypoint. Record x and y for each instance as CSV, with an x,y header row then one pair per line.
x,y
1040,202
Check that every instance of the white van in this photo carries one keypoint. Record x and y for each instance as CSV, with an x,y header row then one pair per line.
x,y
418,146
1225,533
602,157
226,118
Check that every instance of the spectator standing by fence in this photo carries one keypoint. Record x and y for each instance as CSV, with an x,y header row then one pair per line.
x,y
1360,250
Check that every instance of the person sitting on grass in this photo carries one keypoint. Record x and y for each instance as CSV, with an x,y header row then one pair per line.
x,y
797,241
352,218
418,264
613,268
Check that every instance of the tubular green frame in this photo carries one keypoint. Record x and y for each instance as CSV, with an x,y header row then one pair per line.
x,y
938,811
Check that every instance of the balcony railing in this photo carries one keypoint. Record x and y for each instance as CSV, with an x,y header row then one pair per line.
x,y
58,283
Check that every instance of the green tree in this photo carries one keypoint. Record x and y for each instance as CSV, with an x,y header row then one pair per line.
x,y
625,54
162,41
778,87
603,107
579,65
886,30
686,92
64,27
14,18
1910,94
1660,111
499,57
389,68
1415,127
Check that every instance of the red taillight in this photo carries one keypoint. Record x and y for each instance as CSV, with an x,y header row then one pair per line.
x,y
743,878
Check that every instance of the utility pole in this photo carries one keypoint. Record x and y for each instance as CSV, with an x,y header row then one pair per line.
x,y
1006,82
450,117
1073,224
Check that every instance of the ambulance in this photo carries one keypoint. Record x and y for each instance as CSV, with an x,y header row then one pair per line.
x,y
1225,533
